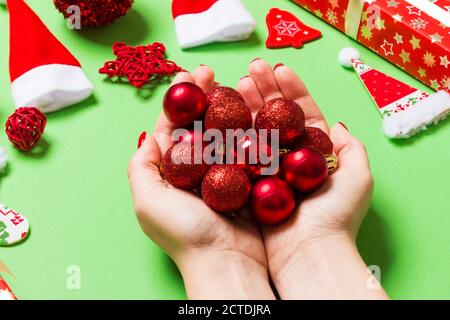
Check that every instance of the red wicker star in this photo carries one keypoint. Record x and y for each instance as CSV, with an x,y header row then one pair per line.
x,y
139,64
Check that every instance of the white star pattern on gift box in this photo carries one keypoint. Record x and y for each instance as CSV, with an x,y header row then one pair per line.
x,y
444,61
387,48
419,23
287,28
414,10
392,4
436,37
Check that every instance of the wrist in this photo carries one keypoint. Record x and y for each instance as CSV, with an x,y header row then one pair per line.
x,y
224,275
327,268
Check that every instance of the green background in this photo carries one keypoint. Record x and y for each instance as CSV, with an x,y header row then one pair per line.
x,y
76,194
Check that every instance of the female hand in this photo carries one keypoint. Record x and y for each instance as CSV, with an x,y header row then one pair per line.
x,y
218,257
313,254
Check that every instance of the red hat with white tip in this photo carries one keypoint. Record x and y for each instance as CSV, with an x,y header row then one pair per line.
x,y
406,110
44,74
199,22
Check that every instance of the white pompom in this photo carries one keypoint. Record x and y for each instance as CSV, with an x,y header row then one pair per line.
x,y
3,159
346,56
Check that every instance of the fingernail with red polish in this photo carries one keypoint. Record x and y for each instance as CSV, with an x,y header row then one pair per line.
x,y
343,125
142,138
202,65
256,59
278,65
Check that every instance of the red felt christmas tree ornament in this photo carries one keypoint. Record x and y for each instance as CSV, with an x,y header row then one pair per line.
x,y
25,128
286,30
95,13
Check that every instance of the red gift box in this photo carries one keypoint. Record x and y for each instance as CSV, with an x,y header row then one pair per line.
x,y
412,34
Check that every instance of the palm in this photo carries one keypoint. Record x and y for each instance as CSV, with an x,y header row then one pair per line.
x,y
183,218
313,218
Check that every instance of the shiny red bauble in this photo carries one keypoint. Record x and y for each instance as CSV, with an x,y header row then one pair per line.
x,y
191,136
254,156
285,115
185,103
315,137
183,166
227,111
226,188
272,201
305,169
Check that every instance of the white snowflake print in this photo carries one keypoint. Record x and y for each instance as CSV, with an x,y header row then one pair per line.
x,y
287,28
419,23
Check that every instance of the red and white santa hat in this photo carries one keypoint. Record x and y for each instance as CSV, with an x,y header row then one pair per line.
x,y
405,110
44,74
199,22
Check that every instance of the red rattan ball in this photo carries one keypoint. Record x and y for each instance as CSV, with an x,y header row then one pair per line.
x,y
25,127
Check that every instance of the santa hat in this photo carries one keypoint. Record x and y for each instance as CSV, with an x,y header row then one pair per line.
x,y
405,110
198,22
44,74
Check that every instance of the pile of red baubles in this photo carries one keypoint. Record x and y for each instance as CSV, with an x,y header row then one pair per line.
x,y
229,188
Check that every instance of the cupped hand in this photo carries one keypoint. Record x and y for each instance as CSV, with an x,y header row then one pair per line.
x,y
193,235
339,206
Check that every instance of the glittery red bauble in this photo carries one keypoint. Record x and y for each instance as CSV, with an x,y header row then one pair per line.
x,y
228,111
95,13
305,169
180,168
285,115
184,103
251,157
217,93
315,137
25,127
226,188
272,201
191,136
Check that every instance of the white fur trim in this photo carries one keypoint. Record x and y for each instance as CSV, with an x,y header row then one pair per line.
x,y
51,87
224,21
347,55
417,117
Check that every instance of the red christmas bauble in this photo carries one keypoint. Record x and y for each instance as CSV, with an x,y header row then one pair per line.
x,y
272,201
228,111
315,137
184,103
218,93
251,157
226,188
95,13
285,115
183,166
305,169
190,137
25,127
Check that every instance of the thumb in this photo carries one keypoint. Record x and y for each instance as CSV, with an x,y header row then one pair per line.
x,y
143,171
351,152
